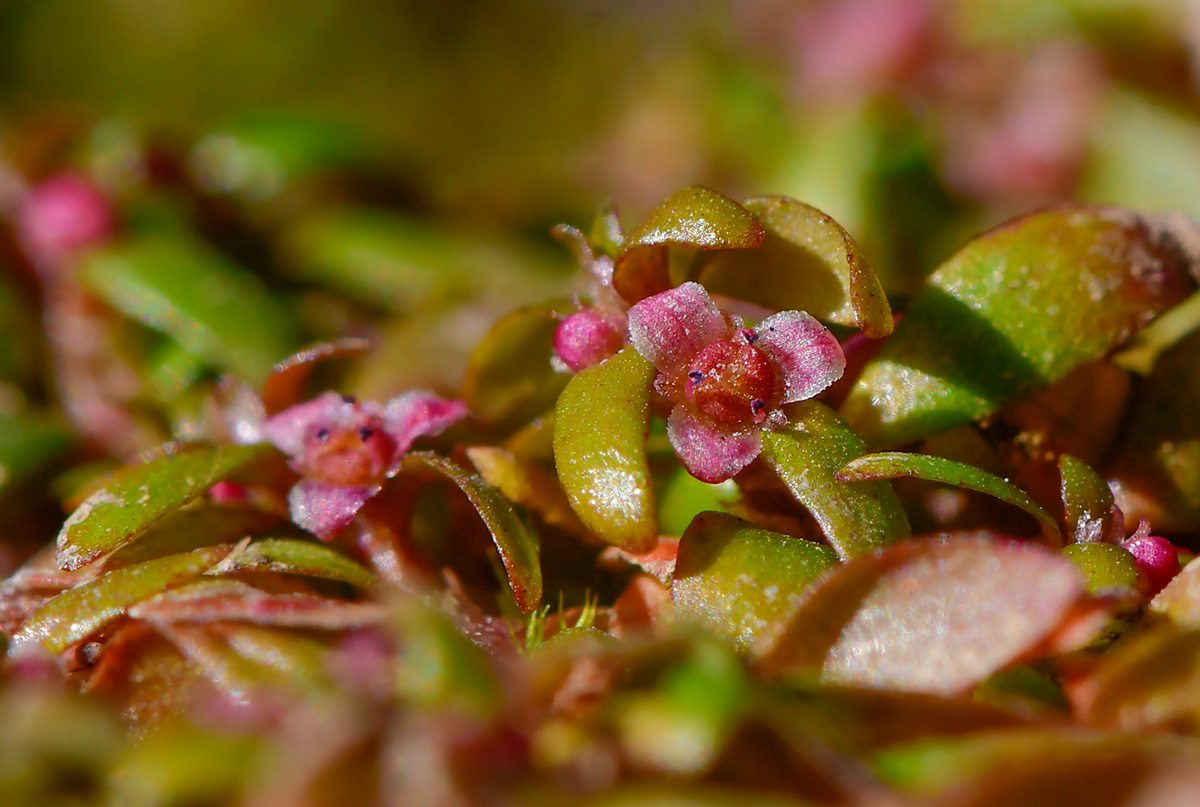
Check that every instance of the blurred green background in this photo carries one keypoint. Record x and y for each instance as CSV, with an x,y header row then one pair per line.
x,y
912,121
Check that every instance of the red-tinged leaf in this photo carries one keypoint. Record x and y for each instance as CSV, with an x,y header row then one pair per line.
x,y
935,616
292,664
659,561
807,454
1180,600
896,464
295,556
1158,466
234,601
600,427
807,261
135,498
284,387
694,217
1147,682
518,547
737,579
1087,501
82,611
527,484
1018,308
509,377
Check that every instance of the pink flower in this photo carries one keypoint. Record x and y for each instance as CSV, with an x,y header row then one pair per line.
x,y
597,330
344,450
728,382
63,216
1156,558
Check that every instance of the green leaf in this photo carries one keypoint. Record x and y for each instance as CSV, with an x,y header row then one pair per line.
x,y
81,611
211,600
1105,567
183,288
518,547
509,377
1017,308
525,483
807,261
295,556
1087,501
600,427
135,498
736,579
807,454
440,669
897,464
192,528
694,217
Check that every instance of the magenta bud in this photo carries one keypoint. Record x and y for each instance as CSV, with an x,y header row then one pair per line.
x,y
586,338
62,216
1157,561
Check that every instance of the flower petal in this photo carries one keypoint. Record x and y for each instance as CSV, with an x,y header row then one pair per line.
x,y
324,509
417,413
707,453
671,327
287,430
807,354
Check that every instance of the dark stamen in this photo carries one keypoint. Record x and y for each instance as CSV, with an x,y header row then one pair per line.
x,y
696,376
350,399
323,435
750,336
757,405
365,433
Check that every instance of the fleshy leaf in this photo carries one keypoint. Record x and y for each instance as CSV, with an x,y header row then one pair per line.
x,y
896,464
1087,501
735,578
600,427
1158,466
1015,309
509,376
1105,567
284,387
81,611
806,455
212,308
807,261
936,616
693,217
205,601
137,497
192,528
518,547
292,556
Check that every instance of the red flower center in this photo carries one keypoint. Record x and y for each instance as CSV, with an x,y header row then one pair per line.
x,y
734,384
348,456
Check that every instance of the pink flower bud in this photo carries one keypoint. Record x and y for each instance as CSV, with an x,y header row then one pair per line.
x,y
62,216
1157,559
586,338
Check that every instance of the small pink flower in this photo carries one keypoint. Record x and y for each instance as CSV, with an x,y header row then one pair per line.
x,y
345,450
63,216
1157,559
728,382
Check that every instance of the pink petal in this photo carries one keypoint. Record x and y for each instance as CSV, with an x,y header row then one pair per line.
x,y
707,453
807,354
288,429
324,509
418,413
671,327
